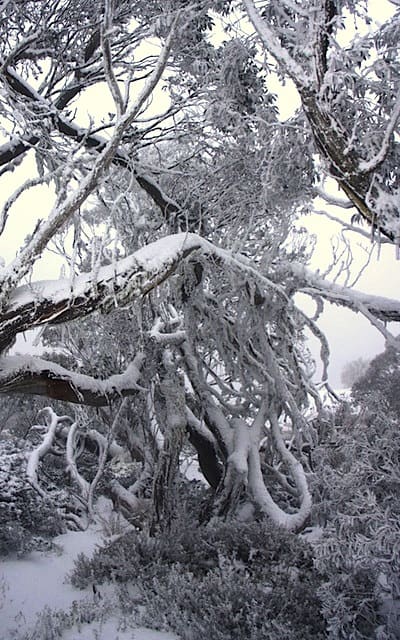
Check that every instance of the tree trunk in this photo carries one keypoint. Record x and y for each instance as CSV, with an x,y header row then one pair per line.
x,y
165,479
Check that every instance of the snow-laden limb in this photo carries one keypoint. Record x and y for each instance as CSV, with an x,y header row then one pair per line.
x,y
330,199
199,426
32,375
373,163
70,454
53,302
237,467
57,301
385,309
166,338
44,447
244,469
129,503
272,44
62,212
290,521
103,454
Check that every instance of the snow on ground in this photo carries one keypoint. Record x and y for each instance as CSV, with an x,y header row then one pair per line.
x,y
36,583
110,631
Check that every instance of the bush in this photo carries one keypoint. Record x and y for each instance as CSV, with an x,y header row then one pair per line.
x,y
26,519
228,604
357,495
229,580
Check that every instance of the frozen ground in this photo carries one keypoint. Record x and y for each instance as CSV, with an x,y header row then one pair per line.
x,y
37,583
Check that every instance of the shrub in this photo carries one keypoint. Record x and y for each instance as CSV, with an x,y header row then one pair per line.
x,y
26,519
357,492
229,604
225,580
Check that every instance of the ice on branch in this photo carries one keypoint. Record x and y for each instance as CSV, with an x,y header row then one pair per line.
x,y
32,375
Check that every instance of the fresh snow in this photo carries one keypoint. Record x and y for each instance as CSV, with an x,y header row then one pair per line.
x,y
37,582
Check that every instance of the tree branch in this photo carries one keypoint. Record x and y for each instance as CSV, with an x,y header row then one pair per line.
x,y
34,376
272,44
54,302
385,309
61,213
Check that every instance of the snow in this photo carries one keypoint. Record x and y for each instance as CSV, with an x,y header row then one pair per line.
x,y
150,259
11,366
109,630
37,583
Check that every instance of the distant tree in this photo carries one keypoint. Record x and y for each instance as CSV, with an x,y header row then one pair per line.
x,y
382,380
353,370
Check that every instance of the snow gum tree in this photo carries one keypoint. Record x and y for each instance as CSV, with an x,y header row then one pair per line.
x,y
172,185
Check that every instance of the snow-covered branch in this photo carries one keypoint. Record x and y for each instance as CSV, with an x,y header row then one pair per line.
x,y
70,455
385,309
272,44
32,375
52,302
44,447
330,199
289,521
373,163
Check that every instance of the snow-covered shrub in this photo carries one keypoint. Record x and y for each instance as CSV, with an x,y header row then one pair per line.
x,y
229,604
52,623
26,519
357,493
229,580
